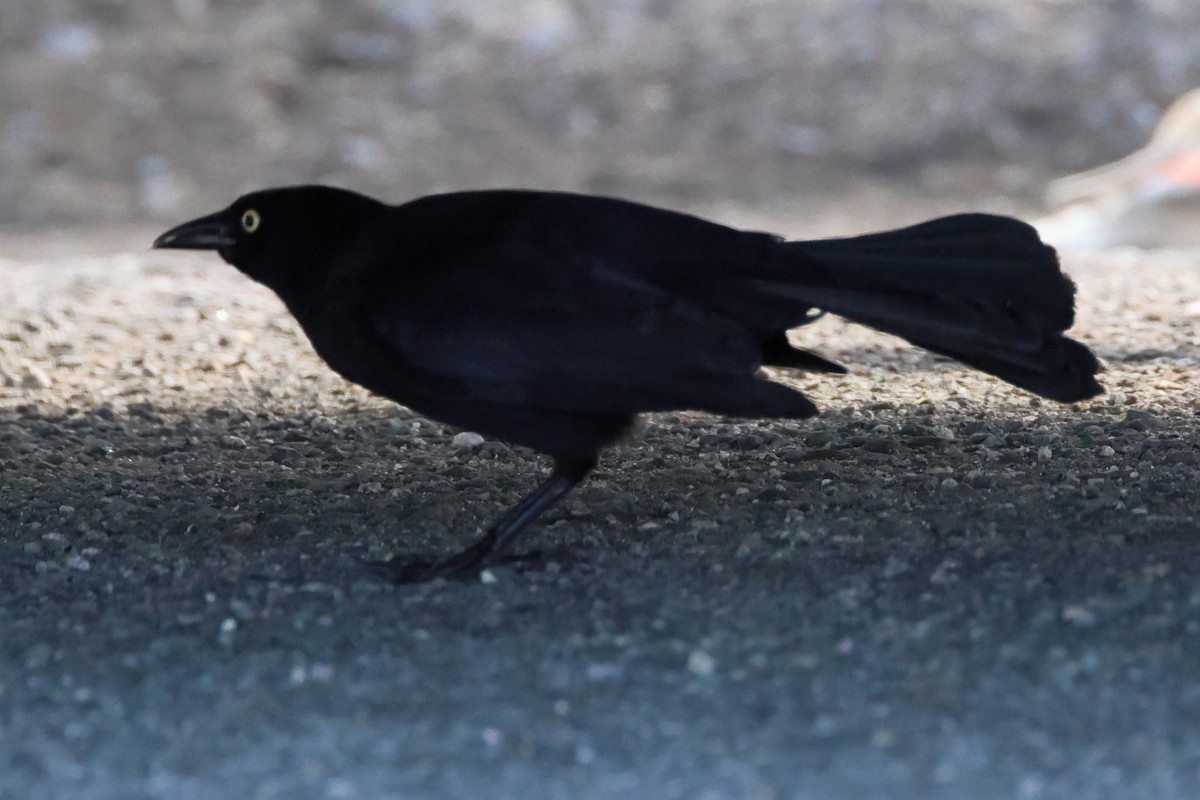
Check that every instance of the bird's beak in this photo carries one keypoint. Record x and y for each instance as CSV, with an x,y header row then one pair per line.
x,y
206,233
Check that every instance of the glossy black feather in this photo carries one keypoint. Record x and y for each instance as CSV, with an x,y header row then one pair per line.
x,y
550,320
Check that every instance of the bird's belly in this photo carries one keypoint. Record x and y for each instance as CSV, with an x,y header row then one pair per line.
x,y
381,370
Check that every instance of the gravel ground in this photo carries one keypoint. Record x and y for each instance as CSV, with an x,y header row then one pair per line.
x,y
940,588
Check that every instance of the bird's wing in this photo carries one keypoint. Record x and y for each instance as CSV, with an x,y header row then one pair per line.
x,y
516,326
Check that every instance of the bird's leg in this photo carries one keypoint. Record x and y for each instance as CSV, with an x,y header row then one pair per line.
x,y
467,564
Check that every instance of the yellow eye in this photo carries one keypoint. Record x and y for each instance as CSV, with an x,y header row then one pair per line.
x,y
251,219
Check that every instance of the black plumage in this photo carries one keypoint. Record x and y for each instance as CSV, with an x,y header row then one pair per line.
x,y
550,320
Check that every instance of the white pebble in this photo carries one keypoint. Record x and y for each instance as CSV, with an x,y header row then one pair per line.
x,y
701,663
229,627
466,439
35,377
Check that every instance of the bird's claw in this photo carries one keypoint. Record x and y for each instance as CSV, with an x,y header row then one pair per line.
x,y
466,566
405,570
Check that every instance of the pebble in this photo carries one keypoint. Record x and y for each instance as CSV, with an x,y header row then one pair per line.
x,y
466,440
34,377
700,663
78,562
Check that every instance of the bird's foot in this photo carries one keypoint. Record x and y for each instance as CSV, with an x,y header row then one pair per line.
x,y
467,566
406,569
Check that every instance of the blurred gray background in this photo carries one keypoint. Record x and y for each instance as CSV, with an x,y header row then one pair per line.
x,y
142,110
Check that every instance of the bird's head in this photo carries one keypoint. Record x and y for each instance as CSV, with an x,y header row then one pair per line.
x,y
271,233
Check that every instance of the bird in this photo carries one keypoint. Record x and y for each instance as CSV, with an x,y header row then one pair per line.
x,y
552,320
1149,198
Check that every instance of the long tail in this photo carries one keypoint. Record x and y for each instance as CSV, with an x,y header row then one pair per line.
x,y
979,288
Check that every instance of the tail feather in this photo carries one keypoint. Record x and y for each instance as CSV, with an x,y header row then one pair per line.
x,y
982,289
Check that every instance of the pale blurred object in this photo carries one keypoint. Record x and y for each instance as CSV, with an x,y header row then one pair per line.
x,y
1150,198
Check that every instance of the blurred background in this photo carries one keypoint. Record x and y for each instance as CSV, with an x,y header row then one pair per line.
x,y
143,111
